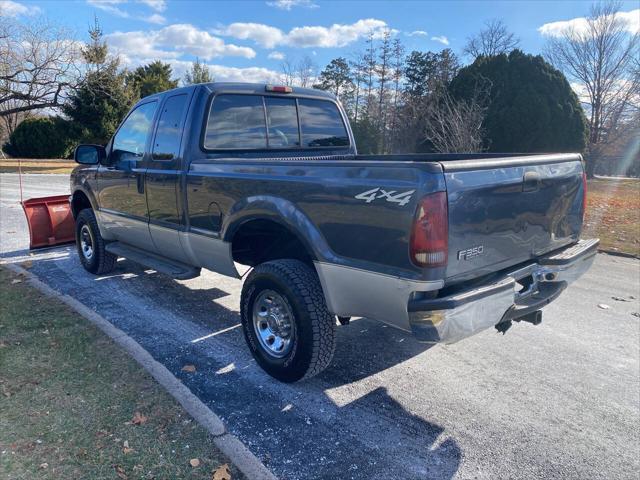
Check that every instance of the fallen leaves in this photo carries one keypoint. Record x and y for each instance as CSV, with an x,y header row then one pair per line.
x,y
189,368
120,472
222,473
619,299
126,449
138,418
194,462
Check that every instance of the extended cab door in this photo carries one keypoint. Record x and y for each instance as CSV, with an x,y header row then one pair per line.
x,y
163,175
123,204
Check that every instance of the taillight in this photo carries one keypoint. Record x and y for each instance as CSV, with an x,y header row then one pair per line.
x,y
278,88
584,195
430,233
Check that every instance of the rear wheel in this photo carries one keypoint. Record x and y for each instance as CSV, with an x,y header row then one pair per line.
x,y
91,246
285,320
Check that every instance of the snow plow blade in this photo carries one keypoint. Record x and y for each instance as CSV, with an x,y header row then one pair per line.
x,y
50,221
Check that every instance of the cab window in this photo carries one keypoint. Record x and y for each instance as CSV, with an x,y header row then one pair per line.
x,y
321,124
167,142
131,139
236,121
282,122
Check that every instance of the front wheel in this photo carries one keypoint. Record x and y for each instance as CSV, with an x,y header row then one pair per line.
x,y
90,245
285,320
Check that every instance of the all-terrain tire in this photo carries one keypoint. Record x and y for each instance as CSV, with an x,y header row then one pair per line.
x,y
314,341
100,261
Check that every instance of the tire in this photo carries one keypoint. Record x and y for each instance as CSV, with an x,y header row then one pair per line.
x,y
291,289
95,258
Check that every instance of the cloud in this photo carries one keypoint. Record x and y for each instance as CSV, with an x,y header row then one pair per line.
x,y
417,33
337,35
441,39
220,73
157,5
289,4
262,34
276,55
173,42
9,8
111,6
630,21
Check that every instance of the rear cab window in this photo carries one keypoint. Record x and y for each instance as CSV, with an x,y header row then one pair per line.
x,y
258,122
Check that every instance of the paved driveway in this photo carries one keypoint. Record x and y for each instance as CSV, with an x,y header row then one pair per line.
x,y
560,400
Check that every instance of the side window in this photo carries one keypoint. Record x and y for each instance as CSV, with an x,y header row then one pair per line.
x,y
129,142
321,124
236,121
167,141
282,120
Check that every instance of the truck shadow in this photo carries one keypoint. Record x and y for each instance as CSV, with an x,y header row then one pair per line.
x,y
374,421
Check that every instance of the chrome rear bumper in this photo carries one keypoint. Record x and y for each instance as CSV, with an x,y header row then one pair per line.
x,y
462,314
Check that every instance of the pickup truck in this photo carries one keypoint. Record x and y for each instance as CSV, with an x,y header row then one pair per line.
x,y
225,175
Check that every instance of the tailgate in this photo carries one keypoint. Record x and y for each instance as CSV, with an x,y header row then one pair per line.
x,y
506,211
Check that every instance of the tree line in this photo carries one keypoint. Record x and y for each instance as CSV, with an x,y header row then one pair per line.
x,y
42,71
582,94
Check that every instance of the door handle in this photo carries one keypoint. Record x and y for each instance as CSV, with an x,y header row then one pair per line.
x,y
140,182
531,182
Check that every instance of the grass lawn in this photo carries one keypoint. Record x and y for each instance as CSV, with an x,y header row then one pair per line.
x,y
613,214
73,405
31,165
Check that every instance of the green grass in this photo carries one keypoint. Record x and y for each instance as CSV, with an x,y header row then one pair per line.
x,y
68,395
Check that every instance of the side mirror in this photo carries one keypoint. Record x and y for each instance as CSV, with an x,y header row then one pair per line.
x,y
90,154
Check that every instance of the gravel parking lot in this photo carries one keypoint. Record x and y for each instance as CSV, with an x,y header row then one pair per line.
x,y
560,400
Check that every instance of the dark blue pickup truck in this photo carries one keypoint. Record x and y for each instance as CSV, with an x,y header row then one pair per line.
x,y
221,175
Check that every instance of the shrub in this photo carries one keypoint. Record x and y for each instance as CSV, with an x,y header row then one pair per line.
x,y
532,107
44,137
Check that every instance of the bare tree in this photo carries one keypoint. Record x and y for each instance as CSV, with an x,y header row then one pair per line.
x,y
288,72
305,71
455,126
601,59
494,39
370,65
358,67
38,65
383,70
300,73
398,67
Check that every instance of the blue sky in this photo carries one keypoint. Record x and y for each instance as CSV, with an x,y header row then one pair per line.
x,y
247,39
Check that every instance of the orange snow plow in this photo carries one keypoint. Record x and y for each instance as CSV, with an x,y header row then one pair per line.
x,y
49,218
50,221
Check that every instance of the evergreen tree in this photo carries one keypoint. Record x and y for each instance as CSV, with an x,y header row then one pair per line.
x,y
199,73
101,100
336,77
152,78
532,107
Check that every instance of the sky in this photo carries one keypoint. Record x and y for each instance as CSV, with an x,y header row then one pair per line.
x,y
248,40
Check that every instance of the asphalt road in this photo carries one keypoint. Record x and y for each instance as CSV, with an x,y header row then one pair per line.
x,y
560,400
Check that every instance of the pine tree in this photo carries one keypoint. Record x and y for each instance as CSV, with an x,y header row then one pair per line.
x,y
152,78
101,99
199,73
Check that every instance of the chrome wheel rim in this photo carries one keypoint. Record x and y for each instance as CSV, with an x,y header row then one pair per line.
x,y
273,323
86,242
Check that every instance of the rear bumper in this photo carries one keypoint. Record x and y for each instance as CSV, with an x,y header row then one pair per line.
x,y
460,315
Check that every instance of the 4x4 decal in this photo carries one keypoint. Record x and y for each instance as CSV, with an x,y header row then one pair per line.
x,y
391,196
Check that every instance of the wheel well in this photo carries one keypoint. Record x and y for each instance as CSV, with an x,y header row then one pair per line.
x,y
79,202
259,241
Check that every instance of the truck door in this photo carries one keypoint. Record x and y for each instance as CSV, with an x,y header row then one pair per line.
x,y
123,204
163,176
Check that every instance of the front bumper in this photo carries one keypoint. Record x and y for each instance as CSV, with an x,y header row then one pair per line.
x,y
462,314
